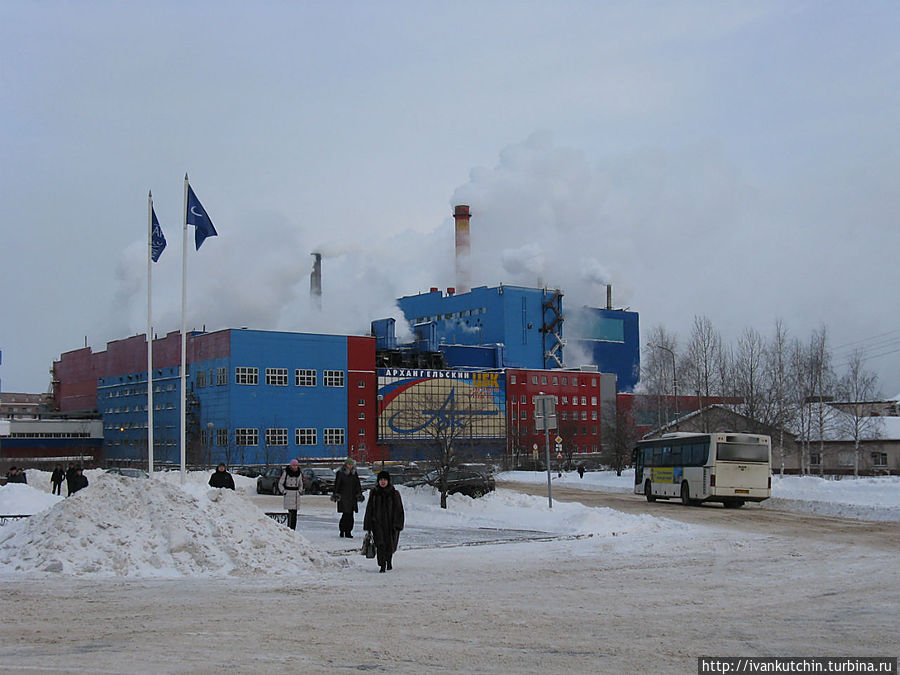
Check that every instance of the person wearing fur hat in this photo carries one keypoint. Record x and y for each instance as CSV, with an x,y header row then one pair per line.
x,y
347,493
291,485
384,519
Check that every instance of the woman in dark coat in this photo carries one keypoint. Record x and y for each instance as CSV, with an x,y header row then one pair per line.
x,y
347,493
384,519
221,478
56,479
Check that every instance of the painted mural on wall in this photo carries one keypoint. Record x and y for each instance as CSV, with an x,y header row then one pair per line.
x,y
417,403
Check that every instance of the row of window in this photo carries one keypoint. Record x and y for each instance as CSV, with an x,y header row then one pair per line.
x,y
555,380
528,430
279,437
278,377
564,399
452,315
49,434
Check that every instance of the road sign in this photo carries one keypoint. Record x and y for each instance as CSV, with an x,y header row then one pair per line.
x,y
558,440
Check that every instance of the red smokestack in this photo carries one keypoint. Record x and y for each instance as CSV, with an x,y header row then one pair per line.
x,y
461,215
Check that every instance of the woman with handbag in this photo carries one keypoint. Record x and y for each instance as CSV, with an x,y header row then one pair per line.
x,y
384,519
347,493
291,485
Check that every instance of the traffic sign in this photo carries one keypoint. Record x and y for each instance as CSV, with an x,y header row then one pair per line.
x,y
558,440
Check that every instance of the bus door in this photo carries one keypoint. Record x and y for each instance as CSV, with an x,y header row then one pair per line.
x,y
637,458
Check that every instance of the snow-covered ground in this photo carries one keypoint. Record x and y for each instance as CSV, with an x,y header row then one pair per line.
x,y
499,584
862,498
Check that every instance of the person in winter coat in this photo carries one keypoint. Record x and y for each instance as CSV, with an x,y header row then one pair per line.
x,y
347,493
384,519
291,484
221,478
79,481
71,472
16,475
56,479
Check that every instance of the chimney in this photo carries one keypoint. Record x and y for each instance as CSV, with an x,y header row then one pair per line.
x,y
451,290
315,280
461,216
608,296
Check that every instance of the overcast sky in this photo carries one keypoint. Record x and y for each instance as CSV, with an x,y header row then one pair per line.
x,y
735,160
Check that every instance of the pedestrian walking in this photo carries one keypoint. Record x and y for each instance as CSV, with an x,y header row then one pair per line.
x,y
221,478
56,479
384,519
71,472
291,484
581,470
16,475
348,494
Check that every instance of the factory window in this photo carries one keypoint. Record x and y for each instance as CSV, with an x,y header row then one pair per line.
x,y
361,384
305,436
543,379
523,415
201,378
565,381
593,381
276,437
815,458
594,430
584,414
333,378
361,402
512,379
593,414
584,400
277,377
304,377
221,376
534,379
565,400
574,400
333,436
361,416
222,438
246,436
243,375
555,380
879,459
593,400
564,414
574,381
362,431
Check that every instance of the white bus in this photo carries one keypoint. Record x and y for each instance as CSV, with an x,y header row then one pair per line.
x,y
731,468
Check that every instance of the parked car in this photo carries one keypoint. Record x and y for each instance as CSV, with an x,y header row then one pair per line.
x,y
268,481
367,477
459,480
249,471
129,472
398,474
317,480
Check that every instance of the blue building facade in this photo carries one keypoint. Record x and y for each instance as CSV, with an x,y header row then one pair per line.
x,y
253,397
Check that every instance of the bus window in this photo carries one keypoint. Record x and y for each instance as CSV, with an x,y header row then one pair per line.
x,y
675,458
743,452
648,456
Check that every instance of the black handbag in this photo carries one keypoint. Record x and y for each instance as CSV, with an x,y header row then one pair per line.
x,y
368,546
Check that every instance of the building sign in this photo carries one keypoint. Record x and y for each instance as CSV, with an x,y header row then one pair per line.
x,y
425,404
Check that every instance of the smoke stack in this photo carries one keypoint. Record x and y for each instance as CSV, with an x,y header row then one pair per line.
x,y
315,280
608,296
461,215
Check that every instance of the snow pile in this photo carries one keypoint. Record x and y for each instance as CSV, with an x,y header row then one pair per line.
x,y
604,481
148,528
18,499
875,498
505,509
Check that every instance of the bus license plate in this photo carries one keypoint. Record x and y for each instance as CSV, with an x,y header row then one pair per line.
x,y
742,492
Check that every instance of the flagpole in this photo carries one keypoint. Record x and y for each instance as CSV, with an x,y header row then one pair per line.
x,y
183,332
149,333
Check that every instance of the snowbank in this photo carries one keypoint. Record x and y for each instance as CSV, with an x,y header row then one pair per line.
x,y
148,528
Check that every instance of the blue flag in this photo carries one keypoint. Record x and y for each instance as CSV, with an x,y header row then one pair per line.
x,y
197,216
157,238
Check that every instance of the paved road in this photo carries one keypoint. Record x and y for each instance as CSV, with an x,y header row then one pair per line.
x,y
751,518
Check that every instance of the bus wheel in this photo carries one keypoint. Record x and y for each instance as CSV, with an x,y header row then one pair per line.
x,y
686,495
648,492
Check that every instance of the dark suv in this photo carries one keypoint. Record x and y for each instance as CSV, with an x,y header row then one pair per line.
x,y
318,480
268,481
459,479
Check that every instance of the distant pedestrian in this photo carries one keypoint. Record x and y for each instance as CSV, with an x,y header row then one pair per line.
x,y
347,493
221,478
56,479
80,481
71,472
581,470
384,519
16,475
291,484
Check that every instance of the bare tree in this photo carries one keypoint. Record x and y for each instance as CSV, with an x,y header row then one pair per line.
x,y
657,376
750,375
699,364
858,386
778,376
619,435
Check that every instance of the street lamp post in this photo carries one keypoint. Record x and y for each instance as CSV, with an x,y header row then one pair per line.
x,y
674,377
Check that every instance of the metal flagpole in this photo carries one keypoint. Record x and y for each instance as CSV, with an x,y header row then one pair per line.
x,y
183,333
149,333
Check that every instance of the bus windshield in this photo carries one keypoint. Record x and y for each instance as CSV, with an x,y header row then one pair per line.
x,y
743,452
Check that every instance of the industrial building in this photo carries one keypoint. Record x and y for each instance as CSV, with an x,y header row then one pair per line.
x,y
254,397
